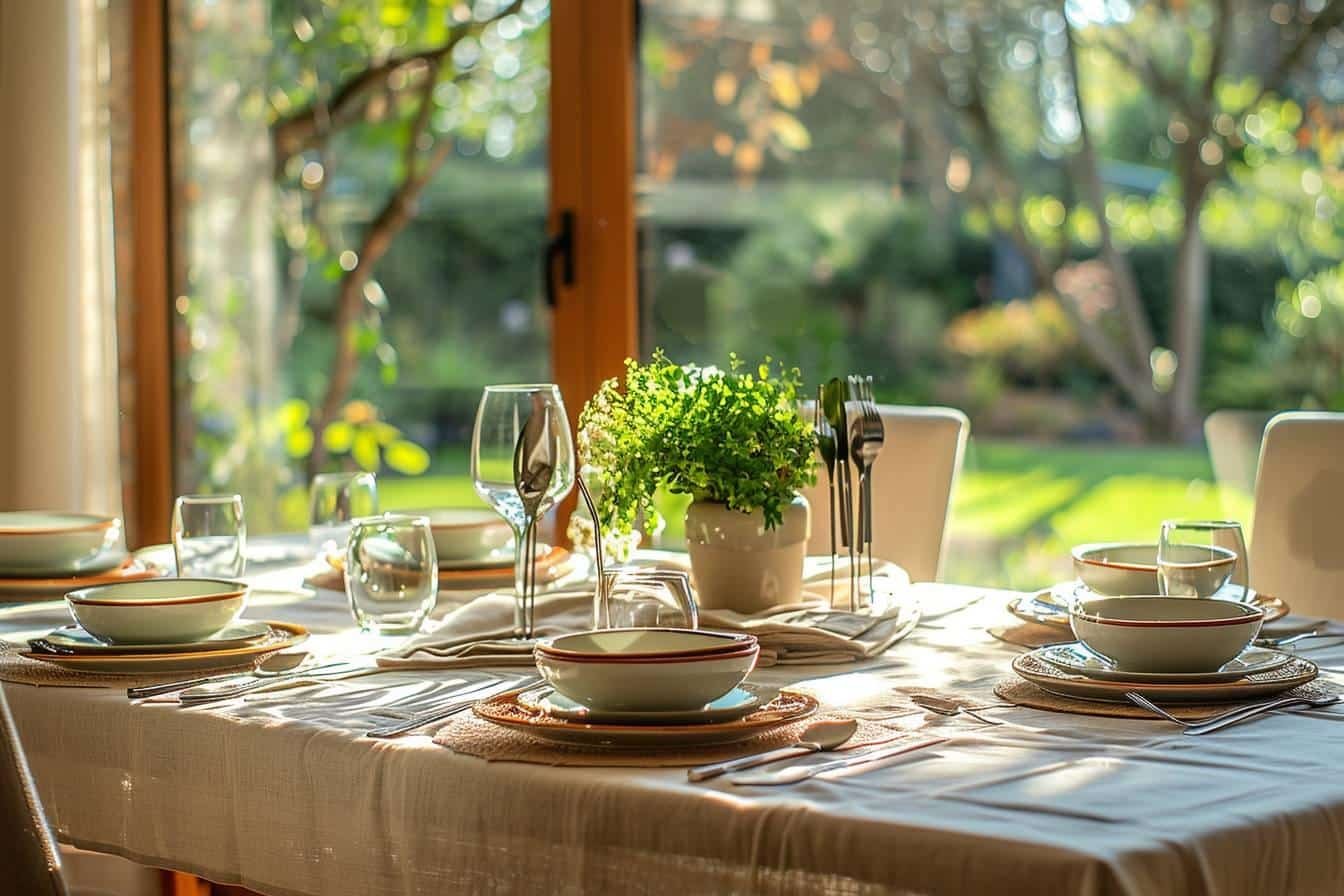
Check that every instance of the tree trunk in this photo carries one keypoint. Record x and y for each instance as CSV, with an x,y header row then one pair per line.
x,y
1189,306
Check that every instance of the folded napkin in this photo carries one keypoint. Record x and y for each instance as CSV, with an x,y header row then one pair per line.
x,y
481,632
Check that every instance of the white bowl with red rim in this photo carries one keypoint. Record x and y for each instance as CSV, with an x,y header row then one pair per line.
x,y
44,543
1165,634
158,611
466,533
646,670
1119,569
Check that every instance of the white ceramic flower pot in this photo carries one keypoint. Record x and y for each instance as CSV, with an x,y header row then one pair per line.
x,y
738,564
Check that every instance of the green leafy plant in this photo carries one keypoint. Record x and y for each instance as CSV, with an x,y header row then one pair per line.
x,y
359,435
733,437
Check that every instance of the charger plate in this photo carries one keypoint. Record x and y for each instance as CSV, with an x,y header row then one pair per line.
x,y
240,634
283,636
132,569
506,711
555,564
1291,674
1077,659
1050,606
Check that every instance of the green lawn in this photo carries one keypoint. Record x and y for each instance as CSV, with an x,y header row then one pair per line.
x,y
1018,508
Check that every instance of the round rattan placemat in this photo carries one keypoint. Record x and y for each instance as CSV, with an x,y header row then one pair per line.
x,y
1024,693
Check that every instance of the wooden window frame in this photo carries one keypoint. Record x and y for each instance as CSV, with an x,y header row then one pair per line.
x,y
592,174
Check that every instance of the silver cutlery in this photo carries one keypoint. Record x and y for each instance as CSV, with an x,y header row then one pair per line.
x,y
601,587
274,666
1233,716
866,446
533,469
826,445
944,707
198,694
835,398
1286,640
796,773
816,738
462,701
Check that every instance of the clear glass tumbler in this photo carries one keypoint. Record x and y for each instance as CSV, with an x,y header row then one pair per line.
x,y
209,536
645,597
1197,558
391,573
334,501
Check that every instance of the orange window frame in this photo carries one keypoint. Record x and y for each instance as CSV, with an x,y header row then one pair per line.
x,y
592,174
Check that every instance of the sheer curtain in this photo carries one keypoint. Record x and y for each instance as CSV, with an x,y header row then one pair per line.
x,y
58,370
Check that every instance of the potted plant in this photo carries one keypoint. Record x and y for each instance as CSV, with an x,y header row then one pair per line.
x,y
731,439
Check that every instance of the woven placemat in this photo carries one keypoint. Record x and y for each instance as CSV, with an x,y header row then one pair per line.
x,y
1024,693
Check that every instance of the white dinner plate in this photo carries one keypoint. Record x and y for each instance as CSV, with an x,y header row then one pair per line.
x,y
1079,660
1046,676
733,705
505,710
283,636
241,633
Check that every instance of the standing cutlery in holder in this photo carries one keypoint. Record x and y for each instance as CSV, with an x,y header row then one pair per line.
x,y
849,431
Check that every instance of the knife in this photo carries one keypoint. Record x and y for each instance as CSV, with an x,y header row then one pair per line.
x,y
465,700
834,400
795,773
208,693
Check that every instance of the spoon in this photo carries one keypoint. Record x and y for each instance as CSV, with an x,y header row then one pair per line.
x,y
533,469
818,737
944,707
275,664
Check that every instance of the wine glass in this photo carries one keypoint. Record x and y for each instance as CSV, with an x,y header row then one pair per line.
x,y
503,412
1196,558
645,597
334,501
391,573
209,536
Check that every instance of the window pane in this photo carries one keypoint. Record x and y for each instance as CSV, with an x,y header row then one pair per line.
x,y
907,190
360,193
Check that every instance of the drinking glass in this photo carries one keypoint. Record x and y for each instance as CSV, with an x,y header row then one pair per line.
x,y
209,536
500,418
1196,558
643,597
334,501
391,573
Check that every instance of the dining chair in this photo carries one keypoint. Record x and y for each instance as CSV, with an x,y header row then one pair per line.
x,y
27,846
913,480
1233,438
1299,490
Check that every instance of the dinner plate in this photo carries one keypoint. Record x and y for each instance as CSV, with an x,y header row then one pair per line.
x,y
283,636
505,710
555,565
1079,660
240,634
1050,606
735,704
14,590
1046,676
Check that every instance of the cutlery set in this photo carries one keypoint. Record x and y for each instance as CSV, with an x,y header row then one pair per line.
x,y
850,436
534,462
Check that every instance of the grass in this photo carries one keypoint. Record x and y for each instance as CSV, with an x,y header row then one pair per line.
x,y
1018,509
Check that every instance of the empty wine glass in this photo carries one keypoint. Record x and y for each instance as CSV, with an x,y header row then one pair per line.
x,y
1196,558
644,597
334,501
209,536
503,412
391,573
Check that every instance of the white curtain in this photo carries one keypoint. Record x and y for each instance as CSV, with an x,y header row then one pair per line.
x,y
58,372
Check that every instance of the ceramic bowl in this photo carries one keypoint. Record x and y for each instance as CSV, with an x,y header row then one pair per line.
x,y
39,543
466,533
158,611
648,685
1121,569
644,643
1165,634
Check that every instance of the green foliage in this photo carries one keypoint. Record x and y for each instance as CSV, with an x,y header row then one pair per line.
x,y
1029,339
731,436
358,434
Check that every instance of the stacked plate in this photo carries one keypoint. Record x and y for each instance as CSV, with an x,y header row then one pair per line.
x,y
45,554
647,687
1168,649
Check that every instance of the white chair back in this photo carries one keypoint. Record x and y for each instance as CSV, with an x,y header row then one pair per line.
x,y
1234,439
1297,541
28,853
912,488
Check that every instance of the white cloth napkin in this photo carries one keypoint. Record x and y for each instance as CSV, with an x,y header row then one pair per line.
x,y
481,632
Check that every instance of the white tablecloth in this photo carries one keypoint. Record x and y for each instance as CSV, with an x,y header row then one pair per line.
x,y
281,793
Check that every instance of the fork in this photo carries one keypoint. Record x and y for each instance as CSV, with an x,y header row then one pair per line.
x,y
1232,716
866,447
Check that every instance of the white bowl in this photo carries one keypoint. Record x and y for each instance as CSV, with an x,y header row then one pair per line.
x,y
1121,569
647,685
1165,634
40,543
158,611
466,533
644,643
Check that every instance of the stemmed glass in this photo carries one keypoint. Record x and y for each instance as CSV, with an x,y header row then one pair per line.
x,y
1196,558
209,536
503,412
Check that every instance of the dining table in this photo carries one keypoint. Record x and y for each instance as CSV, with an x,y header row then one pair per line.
x,y
281,791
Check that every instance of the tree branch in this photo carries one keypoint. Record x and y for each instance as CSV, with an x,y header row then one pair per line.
x,y
1329,17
